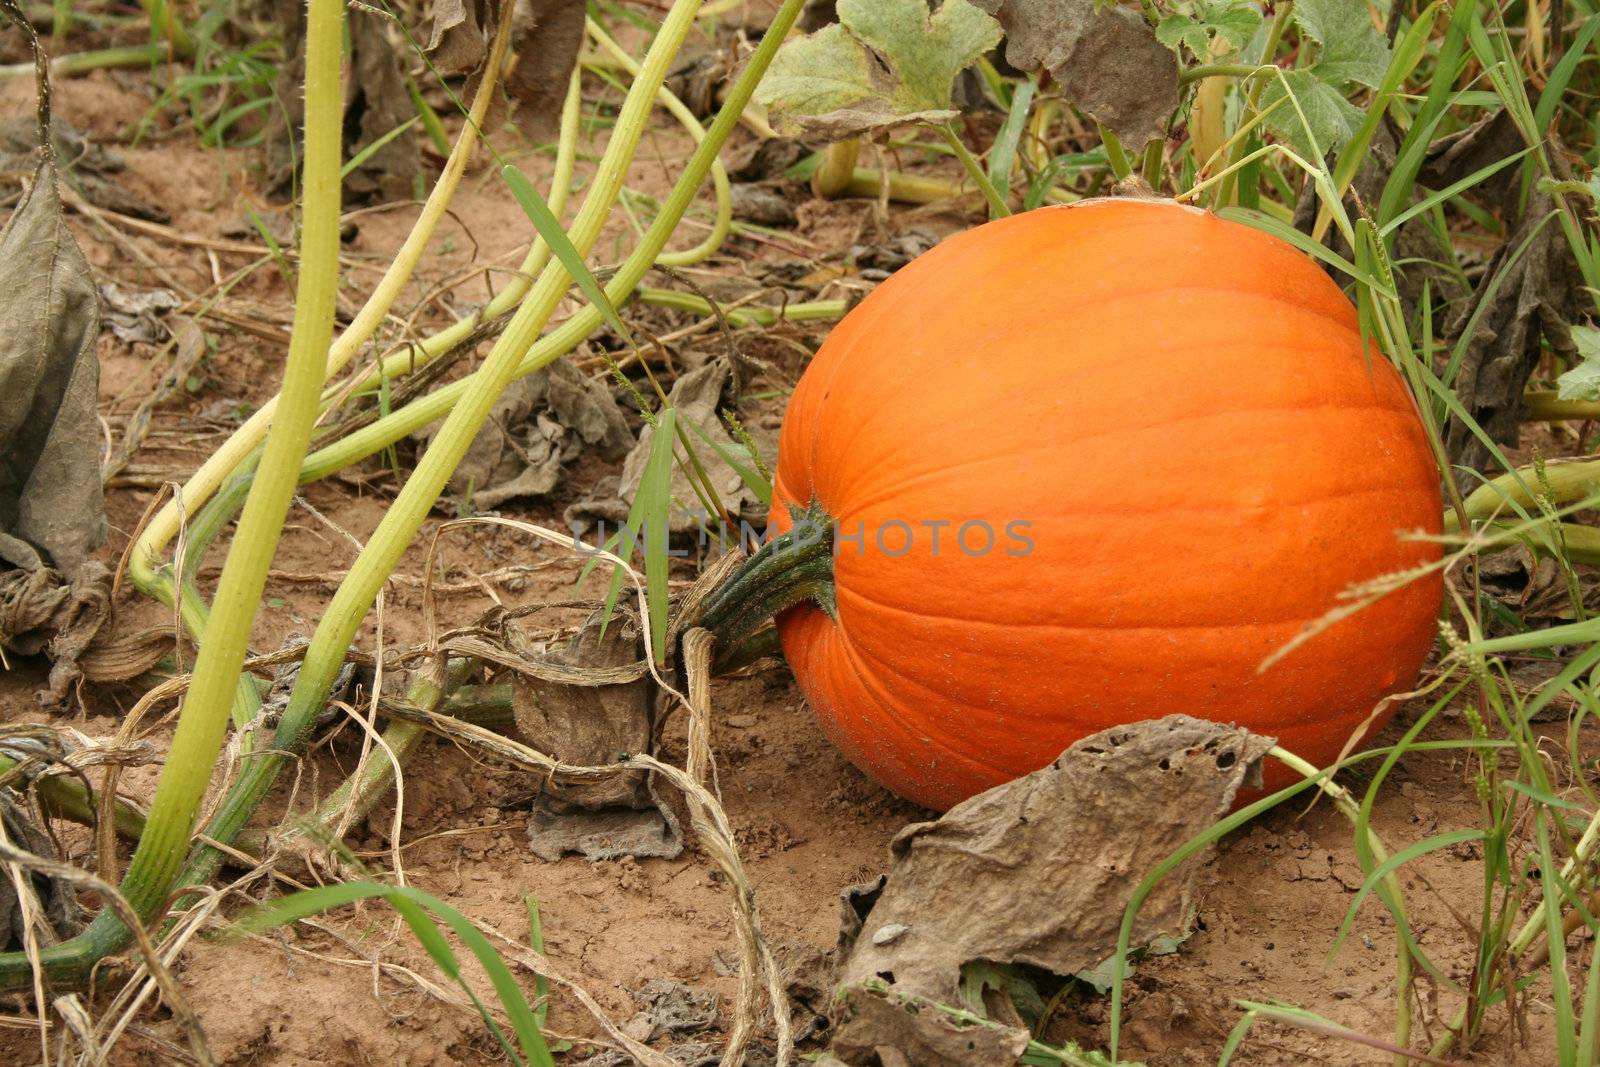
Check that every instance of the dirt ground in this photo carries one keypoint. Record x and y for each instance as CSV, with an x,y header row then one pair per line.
x,y
356,989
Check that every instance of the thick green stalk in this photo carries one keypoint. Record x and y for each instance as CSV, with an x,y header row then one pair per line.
x,y
64,796
794,566
416,498
1548,406
1566,483
375,437
836,167
244,574
722,222
237,450
204,718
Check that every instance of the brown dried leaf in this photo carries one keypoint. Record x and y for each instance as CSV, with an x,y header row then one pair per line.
x,y
592,723
545,37
1534,304
1037,872
50,492
380,98
458,39
85,166
1106,59
55,902
539,424
699,397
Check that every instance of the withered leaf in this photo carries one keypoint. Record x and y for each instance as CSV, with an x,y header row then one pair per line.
x,y
591,719
85,166
698,397
1106,59
539,424
545,37
383,105
1037,872
50,491
1529,296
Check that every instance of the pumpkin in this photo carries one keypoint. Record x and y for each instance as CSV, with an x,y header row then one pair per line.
x,y
1085,466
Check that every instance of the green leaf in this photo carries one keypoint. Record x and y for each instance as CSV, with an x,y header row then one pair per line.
x,y
885,62
1305,108
1583,381
1351,48
1228,22
549,227
1175,30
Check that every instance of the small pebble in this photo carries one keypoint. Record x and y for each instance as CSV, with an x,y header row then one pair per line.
x,y
890,933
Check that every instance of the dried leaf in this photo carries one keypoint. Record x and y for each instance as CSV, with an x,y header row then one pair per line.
x,y
86,167
458,38
589,725
698,398
886,62
43,611
545,37
381,101
762,204
1036,872
55,904
1529,296
1108,60
592,723
539,424
134,315
50,494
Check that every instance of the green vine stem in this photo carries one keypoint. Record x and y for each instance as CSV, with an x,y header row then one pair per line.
x,y
416,498
796,565
836,167
810,311
142,561
204,718
1565,483
358,794
998,208
722,222
375,437
65,796
1549,407
1226,193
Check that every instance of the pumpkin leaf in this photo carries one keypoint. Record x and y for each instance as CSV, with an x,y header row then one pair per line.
x,y
1308,107
885,62
1582,382
1208,23
1351,50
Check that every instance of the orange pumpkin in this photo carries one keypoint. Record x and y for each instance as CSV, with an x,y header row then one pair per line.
x,y
1158,450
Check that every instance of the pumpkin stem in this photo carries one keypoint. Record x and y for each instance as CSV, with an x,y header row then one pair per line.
x,y
794,566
